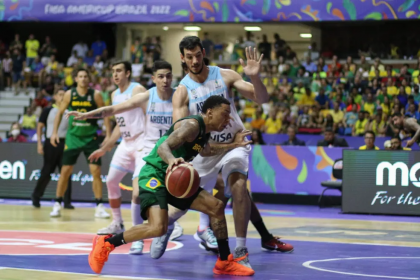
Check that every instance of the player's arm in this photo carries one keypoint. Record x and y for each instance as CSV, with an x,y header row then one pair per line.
x,y
412,124
216,149
180,103
106,145
107,111
100,102
63,106
185,131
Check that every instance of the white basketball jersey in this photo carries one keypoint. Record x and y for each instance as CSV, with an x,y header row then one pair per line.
x,y
158,118
214,85
131,123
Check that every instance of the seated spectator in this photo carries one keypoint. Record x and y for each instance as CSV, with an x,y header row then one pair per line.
x,y
378,125
322,100
416,93
316,118
331,141
307,99
15,134
293,141
28,120
369,141
412,113
48,87
329,123
259,121
137,69
256,137
72,61
309,65
89,58
39,103
386,106
272,123
360,125
294,68
304,120
350,103
369,105
98,65
337,115
396,144
412,101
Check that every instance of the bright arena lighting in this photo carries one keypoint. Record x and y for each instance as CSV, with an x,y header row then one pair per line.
x,y
252,28
165,28
305,35
192,28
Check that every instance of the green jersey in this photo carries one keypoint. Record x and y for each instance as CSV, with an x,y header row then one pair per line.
x,y
82,104
187,151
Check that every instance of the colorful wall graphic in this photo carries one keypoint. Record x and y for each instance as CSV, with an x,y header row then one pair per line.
x,y
207,11
291,170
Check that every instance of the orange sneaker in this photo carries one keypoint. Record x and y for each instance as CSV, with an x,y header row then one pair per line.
x,y
100,251
276,245
231,267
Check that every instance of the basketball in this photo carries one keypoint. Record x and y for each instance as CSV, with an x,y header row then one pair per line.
x,y
182,181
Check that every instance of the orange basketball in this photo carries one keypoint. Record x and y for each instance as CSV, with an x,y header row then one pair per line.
x,y
182,181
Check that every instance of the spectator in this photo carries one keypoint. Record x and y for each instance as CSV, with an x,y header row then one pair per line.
x,y
98,47
52,65
307,99
292,141
72,59
322,100
369,106
402,97
137,69
7,70
411,101
331,141
157,51
98,65
15,134
279,46
415,93
377,126
283,67
89,58
48,87
360,125
256,137
369,141
264,48
28,120
337,115
81,49
32,46
396,144
16,44
208,46
309,65
316,118
18,64
304,120
39,103
259,120
137,50
329,123
273,123
294,68
312,52
249,42
412,112
47,50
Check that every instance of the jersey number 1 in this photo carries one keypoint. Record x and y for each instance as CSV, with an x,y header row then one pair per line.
x,y
162,132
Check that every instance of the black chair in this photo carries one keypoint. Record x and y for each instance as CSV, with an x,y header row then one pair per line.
x,y
337,172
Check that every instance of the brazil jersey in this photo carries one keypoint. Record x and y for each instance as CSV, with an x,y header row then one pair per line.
x,y
152,175
82,104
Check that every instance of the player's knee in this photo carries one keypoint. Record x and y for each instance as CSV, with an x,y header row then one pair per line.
x,y
218,210
160,229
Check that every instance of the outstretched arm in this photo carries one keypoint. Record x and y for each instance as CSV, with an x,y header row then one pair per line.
x,y
185,131
180,104
412,124
216,149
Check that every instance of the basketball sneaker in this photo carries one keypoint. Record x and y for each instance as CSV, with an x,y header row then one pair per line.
x,y
56,212
178,231
137,248
100,212
114,228
231,267
158,246
241,256
100,252
206,236
276,245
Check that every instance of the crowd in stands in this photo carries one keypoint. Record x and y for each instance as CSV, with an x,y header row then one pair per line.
x,y
308,96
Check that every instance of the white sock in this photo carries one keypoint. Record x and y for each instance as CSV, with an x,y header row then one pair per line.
x,y
204,221
116,215
240,242
135,214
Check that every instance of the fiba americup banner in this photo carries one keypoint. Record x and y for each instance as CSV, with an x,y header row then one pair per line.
x,y
205,11
272,169
381,182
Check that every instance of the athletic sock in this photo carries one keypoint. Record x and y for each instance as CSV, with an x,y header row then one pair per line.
x,y
59,199
224,250
116,215
98,201
116,240
136,218
240,242
204,222
262,230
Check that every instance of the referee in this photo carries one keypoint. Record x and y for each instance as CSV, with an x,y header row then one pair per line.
x,y
52,155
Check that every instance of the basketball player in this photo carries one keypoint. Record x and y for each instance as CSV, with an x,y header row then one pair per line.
x,y
200,83
182,142
81,137
129,109
409,125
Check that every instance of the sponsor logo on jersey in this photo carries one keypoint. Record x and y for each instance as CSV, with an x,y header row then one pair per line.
x,y
194,94
89,98
222,137
152,107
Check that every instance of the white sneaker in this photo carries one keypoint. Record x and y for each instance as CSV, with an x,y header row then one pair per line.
x,y
136,248
177,233
56,212
208,237
114,228
100,212
158,246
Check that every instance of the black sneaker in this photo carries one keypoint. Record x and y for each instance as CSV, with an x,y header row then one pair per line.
x,y
68,206
35,202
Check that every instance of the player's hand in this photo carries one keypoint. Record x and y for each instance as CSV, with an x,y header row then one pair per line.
x,y
240,139
174,162
40,149
410,143
54,140
77,115
96,155
253,63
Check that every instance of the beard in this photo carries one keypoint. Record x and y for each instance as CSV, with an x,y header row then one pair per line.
x,y
197,73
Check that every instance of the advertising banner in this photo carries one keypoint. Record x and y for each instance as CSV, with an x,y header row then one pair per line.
x,y
381,182
272,169
205,11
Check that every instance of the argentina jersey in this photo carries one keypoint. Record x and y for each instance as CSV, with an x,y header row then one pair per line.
x,y
130,123
213,85
158,118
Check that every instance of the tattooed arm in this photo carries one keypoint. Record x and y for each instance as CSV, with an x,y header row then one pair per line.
x,y
216,149
412,124
184,131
